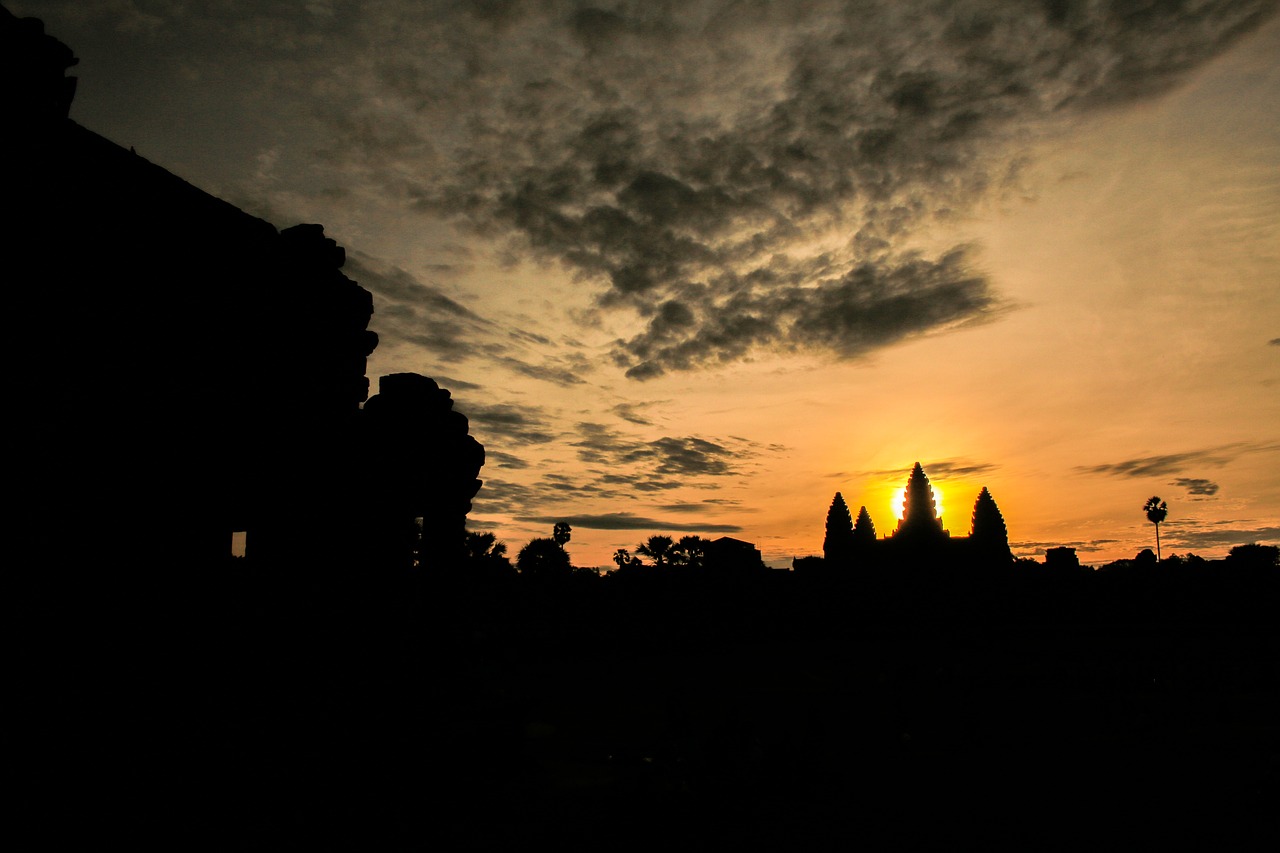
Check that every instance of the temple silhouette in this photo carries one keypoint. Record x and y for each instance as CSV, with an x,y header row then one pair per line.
x,y
919,533
191,371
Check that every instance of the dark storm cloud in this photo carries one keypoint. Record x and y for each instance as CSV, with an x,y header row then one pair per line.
x,y
744,176
1175,463
1197,486
628,521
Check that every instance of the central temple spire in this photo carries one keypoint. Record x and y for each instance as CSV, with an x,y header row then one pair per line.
x,y
919,509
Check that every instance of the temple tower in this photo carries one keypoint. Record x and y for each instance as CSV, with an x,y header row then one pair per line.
x,y
920,520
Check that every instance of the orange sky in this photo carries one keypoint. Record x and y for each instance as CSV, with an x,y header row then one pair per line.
x,y
1110,330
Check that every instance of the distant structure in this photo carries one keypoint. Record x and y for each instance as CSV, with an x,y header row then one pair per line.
x,y
838,542
727,554
187,370
920,522
427,464
920,531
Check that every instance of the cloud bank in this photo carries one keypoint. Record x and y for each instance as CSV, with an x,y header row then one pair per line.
x,y
741,175
750,178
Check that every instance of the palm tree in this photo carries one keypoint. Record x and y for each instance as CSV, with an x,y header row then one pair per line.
x,y
1156,511
689,551
656,548
561,533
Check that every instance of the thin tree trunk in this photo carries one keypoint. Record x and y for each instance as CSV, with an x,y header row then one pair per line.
x,y
1158,557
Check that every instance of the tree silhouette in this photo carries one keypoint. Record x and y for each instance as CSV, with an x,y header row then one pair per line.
x,y
560,534
482,546
837,546
656,548
543,558
622,557
689,551
1255,556
487,556
1156,511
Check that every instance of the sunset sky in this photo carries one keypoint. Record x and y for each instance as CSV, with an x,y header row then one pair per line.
x,y
693,267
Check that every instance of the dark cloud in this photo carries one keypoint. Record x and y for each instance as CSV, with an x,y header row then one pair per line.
x,y
528,337
1197,486
1275,342
871,306
408,311
744,176
1218,537
1031,548
396,285
449,383
629,412
503,497
683,457
711,505
503,460
640,482
519,425
411,311
936,469
628,521
558,371
1175,463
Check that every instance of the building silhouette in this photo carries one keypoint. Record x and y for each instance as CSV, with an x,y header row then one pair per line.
x,y
919,533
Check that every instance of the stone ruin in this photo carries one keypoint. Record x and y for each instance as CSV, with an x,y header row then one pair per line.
x,y
187,370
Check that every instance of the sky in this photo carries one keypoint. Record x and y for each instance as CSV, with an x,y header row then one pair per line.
x,y
694,267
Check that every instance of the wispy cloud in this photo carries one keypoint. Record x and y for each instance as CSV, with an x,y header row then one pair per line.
x,y
514,425
672,456
628,521
1165,464
1033,548
1218,536
935,470
1197,486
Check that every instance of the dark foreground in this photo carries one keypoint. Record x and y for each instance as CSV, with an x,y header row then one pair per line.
x,y
775,712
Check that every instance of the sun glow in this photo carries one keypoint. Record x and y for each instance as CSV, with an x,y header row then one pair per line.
x,y
900,501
